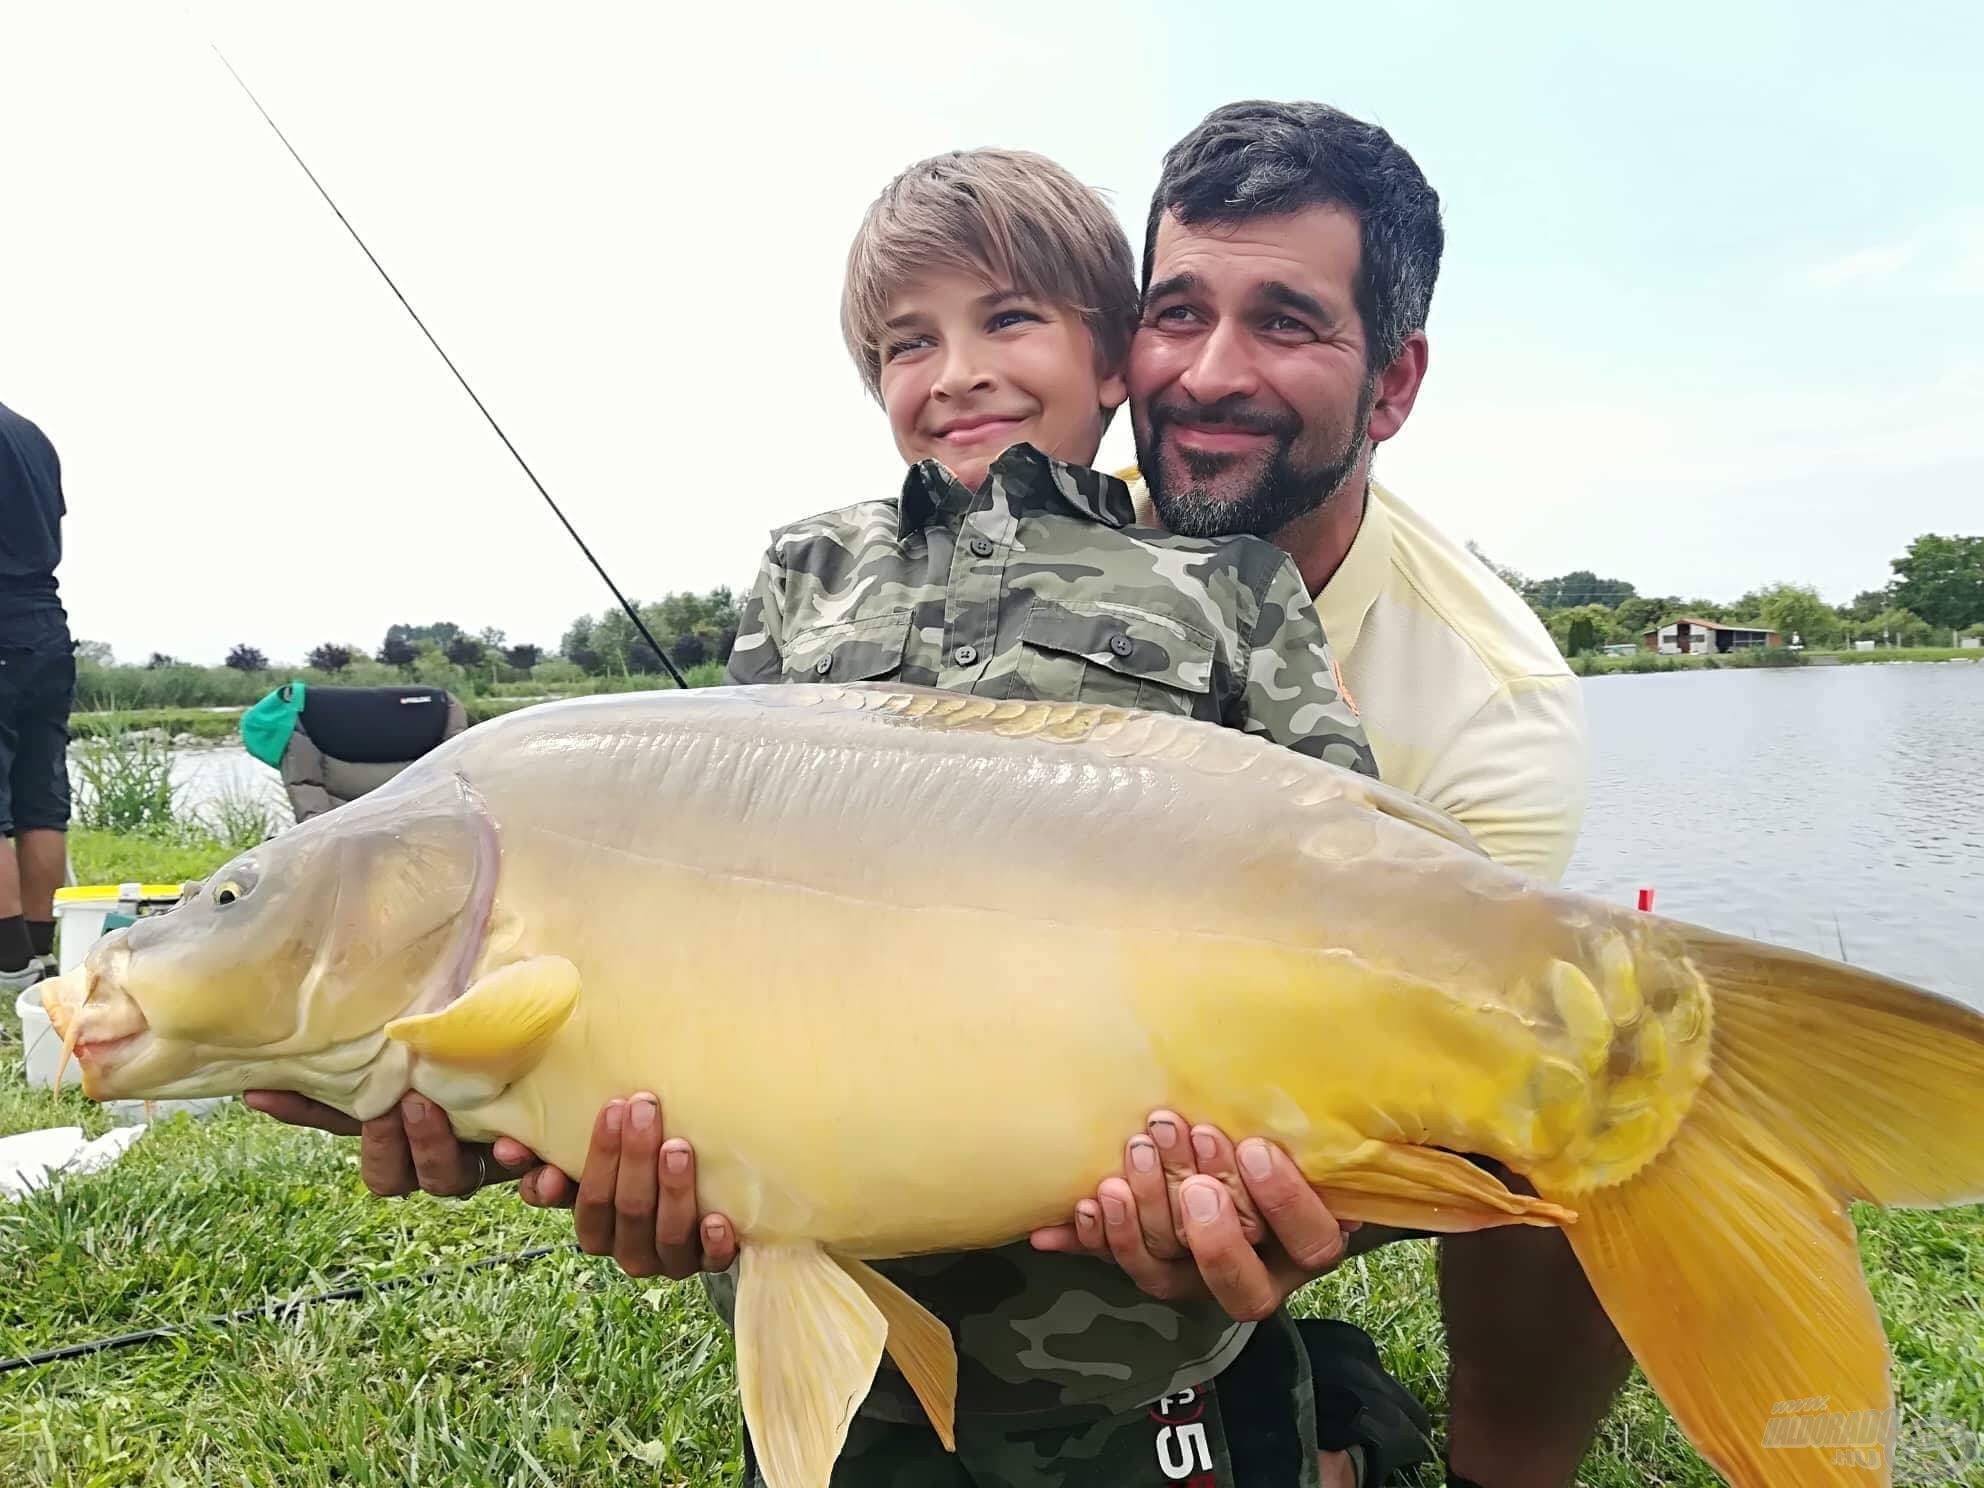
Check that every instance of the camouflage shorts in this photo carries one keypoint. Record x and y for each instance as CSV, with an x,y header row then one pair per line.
x,y
1253,1427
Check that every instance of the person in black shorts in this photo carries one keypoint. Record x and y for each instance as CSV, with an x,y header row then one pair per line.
x,y
37,687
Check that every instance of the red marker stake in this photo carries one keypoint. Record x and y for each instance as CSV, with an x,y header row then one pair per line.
x,y
1646,900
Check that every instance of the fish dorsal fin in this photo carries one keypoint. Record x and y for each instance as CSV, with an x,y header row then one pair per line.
x,y
808,1344
921,1346
500,1026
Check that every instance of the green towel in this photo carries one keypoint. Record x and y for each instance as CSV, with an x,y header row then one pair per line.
x,y
266,727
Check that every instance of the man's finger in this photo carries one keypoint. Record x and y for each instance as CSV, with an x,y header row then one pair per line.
x,y
719,1243
547,1187
1293,1212
385,1161
592,1209
677,1226
1231,1268
441,1163
636,1192
1082,1237
1124,1235
292,1109
1171,1133
512,1156
1214,1156
1058,1239
1150,1195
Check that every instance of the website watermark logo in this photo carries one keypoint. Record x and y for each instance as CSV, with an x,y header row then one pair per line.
x,y
1918,1451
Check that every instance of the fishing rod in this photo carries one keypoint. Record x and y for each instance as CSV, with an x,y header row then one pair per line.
x,y
632,613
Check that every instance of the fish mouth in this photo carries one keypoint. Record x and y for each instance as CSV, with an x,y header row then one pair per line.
x,y
94,1026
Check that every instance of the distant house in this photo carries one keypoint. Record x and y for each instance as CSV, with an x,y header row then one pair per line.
x,y
1692,637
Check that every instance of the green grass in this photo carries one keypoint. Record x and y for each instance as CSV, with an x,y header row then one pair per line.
x,y
1907,653
563,1371
106,857
172,722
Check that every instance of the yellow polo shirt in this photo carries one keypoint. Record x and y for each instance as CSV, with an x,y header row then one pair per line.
x,y
1466,700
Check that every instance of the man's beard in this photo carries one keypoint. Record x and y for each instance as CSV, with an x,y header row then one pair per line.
x,y
1280,492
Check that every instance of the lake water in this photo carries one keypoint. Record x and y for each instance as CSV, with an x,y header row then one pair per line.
x,y
1815,807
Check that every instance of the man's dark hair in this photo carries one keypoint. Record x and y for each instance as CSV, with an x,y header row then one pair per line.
x,y
1262,159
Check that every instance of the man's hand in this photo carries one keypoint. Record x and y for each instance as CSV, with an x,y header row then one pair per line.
x,y
1190,1217
637,1198
411,1147
635,1201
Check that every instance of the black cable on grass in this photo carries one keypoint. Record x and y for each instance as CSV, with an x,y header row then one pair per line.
x,y
270,1311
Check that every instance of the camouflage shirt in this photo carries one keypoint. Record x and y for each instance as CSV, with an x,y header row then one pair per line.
x,y
1043,586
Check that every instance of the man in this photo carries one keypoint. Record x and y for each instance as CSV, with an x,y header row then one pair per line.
x,y
1289,262
37,686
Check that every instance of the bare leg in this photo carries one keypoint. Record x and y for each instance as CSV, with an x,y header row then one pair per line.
x,y
1535,1362
1336,1470
10,879
44,863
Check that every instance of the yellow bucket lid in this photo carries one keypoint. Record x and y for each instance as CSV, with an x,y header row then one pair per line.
x,y
78,893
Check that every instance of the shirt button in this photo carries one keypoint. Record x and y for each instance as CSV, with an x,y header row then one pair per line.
x,y
1120,644
965,655
824,665
982,546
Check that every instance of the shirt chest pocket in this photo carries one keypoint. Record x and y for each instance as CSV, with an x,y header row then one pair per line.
x,y
864,650
1117,654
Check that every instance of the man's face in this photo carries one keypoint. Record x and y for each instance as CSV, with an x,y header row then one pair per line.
x,y
970,368
1249,390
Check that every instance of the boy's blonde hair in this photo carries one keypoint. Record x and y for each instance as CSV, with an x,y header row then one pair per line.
x,y
1011,214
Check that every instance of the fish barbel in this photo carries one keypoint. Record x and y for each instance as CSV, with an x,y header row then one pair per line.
x,y
838,930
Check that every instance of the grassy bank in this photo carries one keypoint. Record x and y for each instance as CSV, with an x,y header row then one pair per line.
x,y
100,712
1593,665
563,1371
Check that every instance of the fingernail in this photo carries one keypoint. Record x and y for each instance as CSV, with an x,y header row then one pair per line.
x,y
1204,1146
414,1108
715,1228
613,1113
1255,1160
1085,1216
643,1116
1143,1157
1114,1209
1164,1134
677,1160
1202,1202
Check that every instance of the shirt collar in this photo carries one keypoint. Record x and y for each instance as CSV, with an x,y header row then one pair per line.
x,y
1026,481
1347,597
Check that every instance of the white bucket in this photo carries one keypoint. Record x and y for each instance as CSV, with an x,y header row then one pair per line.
x,y
44,1049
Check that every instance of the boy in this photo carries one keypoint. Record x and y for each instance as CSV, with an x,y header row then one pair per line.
x,y
989,303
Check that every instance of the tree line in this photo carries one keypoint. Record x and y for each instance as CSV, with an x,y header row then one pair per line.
x,y
1937,588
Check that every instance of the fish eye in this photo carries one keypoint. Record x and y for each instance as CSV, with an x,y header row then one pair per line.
x,y
226,893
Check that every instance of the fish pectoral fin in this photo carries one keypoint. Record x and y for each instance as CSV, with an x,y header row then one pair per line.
x,y
500,1025
1424,1188
808,1343
920,1344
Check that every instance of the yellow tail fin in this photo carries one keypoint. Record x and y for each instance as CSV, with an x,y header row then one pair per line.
x,y
1730,1264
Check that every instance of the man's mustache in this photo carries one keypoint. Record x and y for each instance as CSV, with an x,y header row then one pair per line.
x,y
1227,413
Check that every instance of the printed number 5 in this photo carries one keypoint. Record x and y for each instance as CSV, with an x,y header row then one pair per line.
x,y
1176,1447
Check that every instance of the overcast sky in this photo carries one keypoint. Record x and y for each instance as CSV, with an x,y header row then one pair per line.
x,y
1712,312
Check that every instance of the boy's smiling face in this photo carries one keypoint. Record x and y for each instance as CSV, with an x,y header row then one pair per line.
x,y
970,368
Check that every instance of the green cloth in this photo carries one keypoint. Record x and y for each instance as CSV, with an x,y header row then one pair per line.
x,y
266,727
